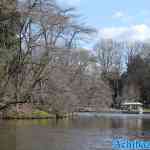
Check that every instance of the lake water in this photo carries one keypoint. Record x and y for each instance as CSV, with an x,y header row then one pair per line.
x,y
89,131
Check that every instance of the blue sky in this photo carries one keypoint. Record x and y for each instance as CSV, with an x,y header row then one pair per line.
x,y
109,13
117,19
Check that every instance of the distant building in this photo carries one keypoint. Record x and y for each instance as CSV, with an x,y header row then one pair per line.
x,y
132,107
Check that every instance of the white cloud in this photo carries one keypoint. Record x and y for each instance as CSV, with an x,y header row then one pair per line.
x,y
139,32
122,16
118,14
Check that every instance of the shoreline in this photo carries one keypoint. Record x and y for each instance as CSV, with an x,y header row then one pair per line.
x,y
49,116
67,116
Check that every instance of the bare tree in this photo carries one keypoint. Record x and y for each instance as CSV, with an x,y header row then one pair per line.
x,y
109,55
42,27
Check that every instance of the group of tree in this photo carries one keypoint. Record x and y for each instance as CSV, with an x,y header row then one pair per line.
x,y
40,62
126,66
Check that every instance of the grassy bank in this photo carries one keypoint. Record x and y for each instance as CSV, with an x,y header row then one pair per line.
x,y
36,114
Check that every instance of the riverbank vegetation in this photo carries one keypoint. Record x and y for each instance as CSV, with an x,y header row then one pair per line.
x,y
42,61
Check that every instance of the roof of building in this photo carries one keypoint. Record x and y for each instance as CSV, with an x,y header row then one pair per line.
x,y
132,103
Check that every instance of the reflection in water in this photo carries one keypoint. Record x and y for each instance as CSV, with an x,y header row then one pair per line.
x,y
87,132
7,136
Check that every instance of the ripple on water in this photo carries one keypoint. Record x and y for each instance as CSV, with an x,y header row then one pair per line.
x,y
86,132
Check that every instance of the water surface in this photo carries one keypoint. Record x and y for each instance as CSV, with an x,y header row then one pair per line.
x,y
89,131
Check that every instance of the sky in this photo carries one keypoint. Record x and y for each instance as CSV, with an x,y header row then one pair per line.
x,y
117,19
